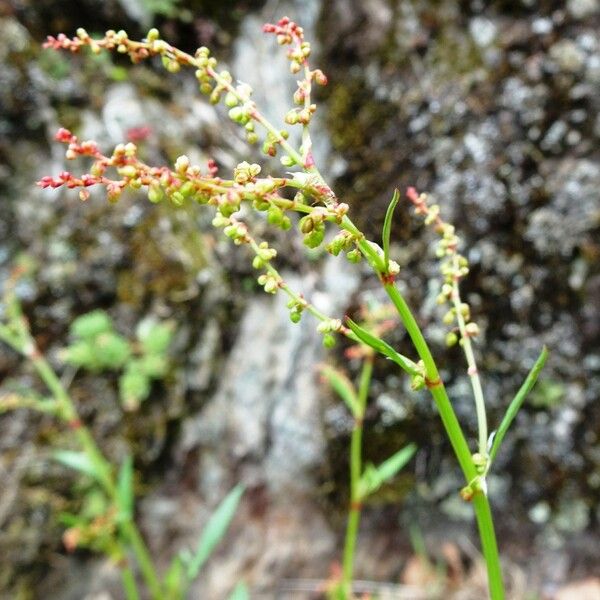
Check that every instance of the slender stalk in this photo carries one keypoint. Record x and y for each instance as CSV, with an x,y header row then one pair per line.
x,y
485,524
355,474
143,558
467,346
435,384
129,584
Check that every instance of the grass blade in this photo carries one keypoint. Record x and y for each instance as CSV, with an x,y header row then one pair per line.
x,y
517,402
215,530
343,387
382,347
125,489
374,477
387,227
78,461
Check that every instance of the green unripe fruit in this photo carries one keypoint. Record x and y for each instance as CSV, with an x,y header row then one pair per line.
x,y
314,238
275,215
328,340
354,256
187,189
155,194
451,339
177,198
306,224
231,100
153,35
287,161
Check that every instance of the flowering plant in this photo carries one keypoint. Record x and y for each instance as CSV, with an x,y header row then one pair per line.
x,y
306,193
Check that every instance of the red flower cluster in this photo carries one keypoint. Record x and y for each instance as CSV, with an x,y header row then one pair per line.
x,y
286,31
62,42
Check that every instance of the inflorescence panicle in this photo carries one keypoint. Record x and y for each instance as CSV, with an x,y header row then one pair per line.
x,y
185,182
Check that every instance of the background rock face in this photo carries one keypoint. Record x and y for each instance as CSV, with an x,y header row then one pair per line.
x,y
491,107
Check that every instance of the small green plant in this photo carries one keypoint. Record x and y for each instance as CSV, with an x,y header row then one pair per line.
x,y
304,198
364,480
105,522
98,347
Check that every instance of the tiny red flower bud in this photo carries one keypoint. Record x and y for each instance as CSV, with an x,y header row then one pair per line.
x,y
64,135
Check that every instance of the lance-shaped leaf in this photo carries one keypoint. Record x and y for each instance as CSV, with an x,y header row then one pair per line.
x,y
343,387
78,461
214,531
387,228
382,347
125,490
374,477
175,580
516,403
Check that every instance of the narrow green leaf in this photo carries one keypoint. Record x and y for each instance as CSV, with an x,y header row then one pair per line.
x,y
240,592
78,461
125,489
174,581
388,468
343,387
517,402
387,227
382,347
374,477
214,531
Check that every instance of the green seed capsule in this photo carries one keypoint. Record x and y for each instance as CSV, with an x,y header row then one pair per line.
x,y
328,340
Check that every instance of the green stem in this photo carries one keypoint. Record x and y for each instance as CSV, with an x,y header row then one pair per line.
x,y
435,384
472,367
129,584
140,550
489,545
355,474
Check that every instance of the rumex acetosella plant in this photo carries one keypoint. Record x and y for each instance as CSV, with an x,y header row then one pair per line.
x,y
322,219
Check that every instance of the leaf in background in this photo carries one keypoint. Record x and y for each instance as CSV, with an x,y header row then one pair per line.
x,y
78,461
134,387
343,387
374,477
154,337
91,324
517,402
112,350
215,530
240,592
387,228
382,347
154,366
82,354
125,489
